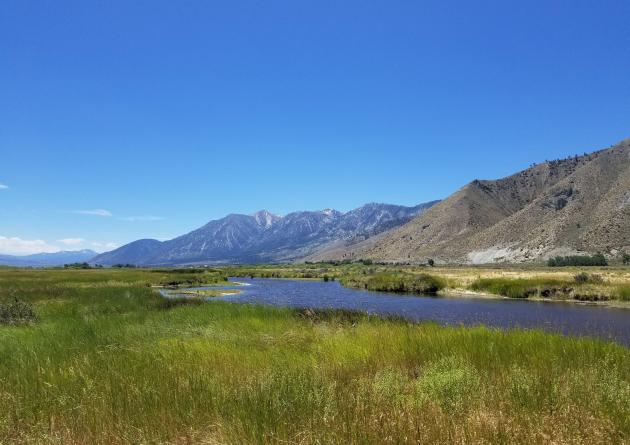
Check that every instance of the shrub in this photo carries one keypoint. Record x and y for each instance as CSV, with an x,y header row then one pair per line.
x,y
425,283
16,313
577,260
420,283
625,258
77,266
583,278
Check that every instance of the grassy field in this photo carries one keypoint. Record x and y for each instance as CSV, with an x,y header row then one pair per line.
x,y
105,360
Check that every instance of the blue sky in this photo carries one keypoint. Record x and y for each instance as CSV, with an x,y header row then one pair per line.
x,y
122,120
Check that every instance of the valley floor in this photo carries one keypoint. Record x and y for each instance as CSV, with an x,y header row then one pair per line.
x,y
97,356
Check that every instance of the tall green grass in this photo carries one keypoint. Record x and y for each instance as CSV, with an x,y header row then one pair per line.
x,y
623,292
395,282
523,288
110,362
584,287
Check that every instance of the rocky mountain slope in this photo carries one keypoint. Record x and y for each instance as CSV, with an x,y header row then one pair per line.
x,y
574,205
264,237
47,259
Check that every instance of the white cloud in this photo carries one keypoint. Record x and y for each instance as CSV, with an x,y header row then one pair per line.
x,y
71,241
18,246
141,218
94,212
104,247
3,187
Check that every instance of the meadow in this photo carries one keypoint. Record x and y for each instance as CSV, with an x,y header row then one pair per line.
x,y
105,360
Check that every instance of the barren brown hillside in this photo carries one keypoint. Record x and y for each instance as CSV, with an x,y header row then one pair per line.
x,y
578,204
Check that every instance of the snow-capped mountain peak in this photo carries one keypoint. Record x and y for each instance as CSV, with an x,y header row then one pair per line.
x,y
265,218
264,237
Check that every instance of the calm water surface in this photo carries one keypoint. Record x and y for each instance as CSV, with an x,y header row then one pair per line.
x,y
566,318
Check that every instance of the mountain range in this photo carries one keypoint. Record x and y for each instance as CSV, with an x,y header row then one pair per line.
x,y
265,237
576,205
571,206
47,259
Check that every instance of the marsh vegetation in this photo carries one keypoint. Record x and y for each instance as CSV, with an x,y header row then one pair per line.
x,y
570,283
109,361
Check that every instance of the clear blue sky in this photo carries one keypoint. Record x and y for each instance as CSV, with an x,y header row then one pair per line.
x,y
166,114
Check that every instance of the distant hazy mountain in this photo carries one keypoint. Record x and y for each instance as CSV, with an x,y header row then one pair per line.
x,y
264,237
135,252
47,259
576,205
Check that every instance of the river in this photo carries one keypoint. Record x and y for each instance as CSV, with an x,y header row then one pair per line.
x,y
567,318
